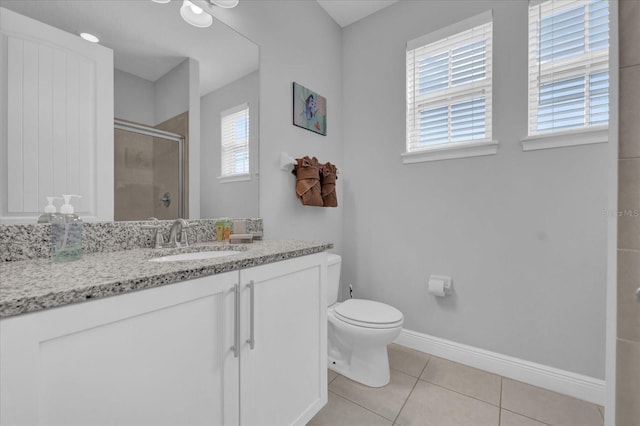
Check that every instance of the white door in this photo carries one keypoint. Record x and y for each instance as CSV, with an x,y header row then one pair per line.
x,y
56,117
283,377
155,357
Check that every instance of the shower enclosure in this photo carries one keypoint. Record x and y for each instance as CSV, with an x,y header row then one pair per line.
x,y
148,173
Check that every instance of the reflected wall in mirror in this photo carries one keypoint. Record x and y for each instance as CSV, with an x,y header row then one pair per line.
x,y
167,75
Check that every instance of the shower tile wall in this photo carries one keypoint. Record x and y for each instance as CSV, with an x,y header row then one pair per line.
x,y
628,343
133,175
145,169
180,125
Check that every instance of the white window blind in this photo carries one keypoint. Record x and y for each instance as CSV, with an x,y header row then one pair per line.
x,y
568,65
449,85
235,141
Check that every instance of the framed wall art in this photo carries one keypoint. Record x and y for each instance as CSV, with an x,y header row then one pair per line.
x,y
309,110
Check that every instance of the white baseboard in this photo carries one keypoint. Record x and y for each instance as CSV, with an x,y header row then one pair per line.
x,y
554,379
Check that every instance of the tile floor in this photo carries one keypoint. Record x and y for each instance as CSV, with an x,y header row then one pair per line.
x,y
430,391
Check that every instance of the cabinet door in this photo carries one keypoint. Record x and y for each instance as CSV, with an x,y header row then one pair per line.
x,y
283,378
161,356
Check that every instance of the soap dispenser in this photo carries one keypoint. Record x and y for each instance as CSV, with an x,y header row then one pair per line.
x,y
66,233
49,211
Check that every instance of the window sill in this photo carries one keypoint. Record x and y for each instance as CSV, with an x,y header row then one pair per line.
x,y
565,139
451,151
234,178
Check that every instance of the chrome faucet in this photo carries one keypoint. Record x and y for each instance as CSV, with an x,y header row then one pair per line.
x,y
157,235
179,226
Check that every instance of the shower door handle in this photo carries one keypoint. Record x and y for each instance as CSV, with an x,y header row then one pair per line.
x,y
638,295
166,199
251,340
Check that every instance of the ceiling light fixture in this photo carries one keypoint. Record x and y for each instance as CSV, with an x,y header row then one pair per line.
x,y
90,37
195,15
227,4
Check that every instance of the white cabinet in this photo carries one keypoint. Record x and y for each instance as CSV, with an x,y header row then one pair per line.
x,y
165,356
155,357
283,378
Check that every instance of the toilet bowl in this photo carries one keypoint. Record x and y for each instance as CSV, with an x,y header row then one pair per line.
x,y
358,333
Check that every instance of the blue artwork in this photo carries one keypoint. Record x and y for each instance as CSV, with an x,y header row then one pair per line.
x,y
309,110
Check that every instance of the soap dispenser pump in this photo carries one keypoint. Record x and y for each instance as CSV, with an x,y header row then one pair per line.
x,y
49,211
66,233
67,207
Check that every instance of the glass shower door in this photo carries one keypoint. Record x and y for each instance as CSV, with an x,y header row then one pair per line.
x,y
148,179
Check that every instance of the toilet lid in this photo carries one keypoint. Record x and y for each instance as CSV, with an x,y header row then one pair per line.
x,y
368,312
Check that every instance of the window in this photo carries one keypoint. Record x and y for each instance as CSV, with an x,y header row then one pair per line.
x,y
568,66
235,142
449,90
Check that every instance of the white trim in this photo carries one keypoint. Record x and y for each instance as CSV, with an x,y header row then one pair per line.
x,y
460,26
450,151
235,178
590,136
554,379
235,109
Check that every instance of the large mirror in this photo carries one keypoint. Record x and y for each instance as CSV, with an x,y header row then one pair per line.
x,y
158,58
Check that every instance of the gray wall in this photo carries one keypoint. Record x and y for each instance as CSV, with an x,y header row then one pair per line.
x,y
134,98
172,92
306,49
151,103
233,199
523,234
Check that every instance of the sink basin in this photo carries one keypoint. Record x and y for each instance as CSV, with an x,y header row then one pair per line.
x,y
201,255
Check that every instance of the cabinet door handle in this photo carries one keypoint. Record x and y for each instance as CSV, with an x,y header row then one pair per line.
x,y
251,341
236,321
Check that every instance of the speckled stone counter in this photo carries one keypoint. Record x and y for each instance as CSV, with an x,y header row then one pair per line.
x,y
33,241
33,285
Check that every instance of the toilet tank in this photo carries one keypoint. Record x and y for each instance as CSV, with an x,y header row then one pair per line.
x,y
333,284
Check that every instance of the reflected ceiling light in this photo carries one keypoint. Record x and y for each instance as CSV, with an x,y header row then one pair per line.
x,y
161,1
90,37
195,15
227,4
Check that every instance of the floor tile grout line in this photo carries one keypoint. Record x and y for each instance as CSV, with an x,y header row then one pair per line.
x,y
500,403
362,406
329,381
421,370
459,393
412,389
601,413
407,398
527,417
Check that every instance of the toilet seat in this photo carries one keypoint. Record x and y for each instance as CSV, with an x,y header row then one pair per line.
x,y
369,314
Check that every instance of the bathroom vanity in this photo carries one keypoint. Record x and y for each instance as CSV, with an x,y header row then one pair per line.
x,y
235,340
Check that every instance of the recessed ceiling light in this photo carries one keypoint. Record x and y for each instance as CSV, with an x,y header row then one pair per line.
x,y
90,37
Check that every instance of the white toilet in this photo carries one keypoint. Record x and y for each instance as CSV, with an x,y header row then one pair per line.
x,y
358,333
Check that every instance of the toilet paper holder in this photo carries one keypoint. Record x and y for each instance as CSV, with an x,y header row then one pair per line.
x,y
440,285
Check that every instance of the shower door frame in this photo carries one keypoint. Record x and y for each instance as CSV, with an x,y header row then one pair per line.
x,y
153,132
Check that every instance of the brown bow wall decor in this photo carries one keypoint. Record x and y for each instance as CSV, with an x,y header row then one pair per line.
x,y
315,182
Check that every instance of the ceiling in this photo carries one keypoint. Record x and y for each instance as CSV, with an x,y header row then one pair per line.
x,y
346,12
150,39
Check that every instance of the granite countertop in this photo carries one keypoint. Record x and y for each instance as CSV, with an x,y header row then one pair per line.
x,y
33,285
